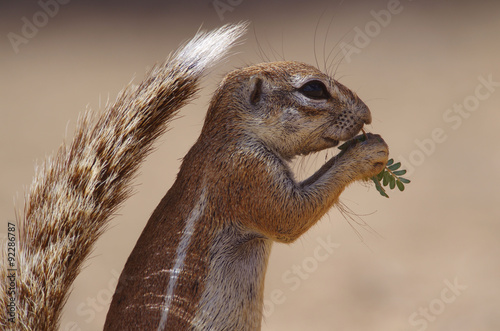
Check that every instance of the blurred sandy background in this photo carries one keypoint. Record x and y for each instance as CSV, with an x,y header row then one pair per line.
x,y
423,71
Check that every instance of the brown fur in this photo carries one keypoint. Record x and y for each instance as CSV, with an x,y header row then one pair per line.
x,y
76,192
201,260
237,183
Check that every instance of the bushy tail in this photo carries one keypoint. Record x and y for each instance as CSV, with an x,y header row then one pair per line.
x,y
76,192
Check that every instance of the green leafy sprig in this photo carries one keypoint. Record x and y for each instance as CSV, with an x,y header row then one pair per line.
x,y
390,176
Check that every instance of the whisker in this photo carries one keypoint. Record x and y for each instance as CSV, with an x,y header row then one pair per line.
x,y
325,58
314,39
337,54
283,45
275,53
355,220
260,50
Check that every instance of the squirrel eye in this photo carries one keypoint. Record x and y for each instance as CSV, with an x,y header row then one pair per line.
x,y
315,90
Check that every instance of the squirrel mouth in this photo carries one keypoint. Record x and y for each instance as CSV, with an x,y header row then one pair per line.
x,y
331,141
334,142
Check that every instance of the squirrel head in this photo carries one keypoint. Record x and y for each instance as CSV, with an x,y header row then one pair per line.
x,y
291,107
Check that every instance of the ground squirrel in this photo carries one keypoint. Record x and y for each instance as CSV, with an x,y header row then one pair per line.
x,y
201,260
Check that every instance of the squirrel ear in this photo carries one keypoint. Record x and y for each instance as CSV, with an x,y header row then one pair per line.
x,y
256,89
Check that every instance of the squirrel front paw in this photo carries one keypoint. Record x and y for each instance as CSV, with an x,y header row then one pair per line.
x,y
368,157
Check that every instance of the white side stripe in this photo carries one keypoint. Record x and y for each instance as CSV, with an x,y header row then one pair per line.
x,y
180,256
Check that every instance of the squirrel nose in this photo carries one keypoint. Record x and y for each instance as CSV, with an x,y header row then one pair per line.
x,y
363,112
